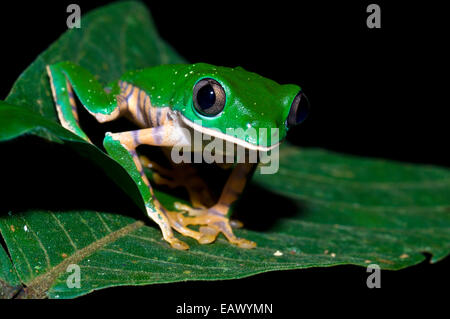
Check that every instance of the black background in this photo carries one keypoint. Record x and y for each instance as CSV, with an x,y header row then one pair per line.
x,y
374,92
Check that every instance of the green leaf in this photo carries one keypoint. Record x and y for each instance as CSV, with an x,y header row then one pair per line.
x,y
9,282
332,209
363,210
320,209
54,241
113,39
328,210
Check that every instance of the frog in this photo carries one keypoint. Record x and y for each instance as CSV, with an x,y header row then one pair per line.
x,y
165,102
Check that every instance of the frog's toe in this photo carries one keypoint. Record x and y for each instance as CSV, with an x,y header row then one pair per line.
x,y
206,239
179,223
225,228
188,209
207,230
235,224
245,243
211,224
209,234
178,244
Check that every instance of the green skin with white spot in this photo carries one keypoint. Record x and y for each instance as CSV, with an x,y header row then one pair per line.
x,y
251,100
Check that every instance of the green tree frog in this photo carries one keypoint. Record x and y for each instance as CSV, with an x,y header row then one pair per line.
x,y
165,101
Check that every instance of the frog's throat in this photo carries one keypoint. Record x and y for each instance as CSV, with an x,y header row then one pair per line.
x,y
226,137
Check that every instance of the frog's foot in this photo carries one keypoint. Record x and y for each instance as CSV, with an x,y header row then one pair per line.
x,y
181,176
212,222
234,223
177,244
178,223
160,216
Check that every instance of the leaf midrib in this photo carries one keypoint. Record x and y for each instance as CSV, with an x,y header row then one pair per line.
x,y
38,286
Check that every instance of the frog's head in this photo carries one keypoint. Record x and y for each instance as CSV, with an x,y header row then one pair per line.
x,y
221,101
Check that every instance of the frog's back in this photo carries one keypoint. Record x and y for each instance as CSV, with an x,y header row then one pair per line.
x,y
158,82
145,96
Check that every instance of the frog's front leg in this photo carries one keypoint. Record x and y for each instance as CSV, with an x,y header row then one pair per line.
x,y
65,77
122,147
214,220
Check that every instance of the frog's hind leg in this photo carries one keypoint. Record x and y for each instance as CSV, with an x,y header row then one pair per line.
x,y
214,220
181,175
68,79
122,147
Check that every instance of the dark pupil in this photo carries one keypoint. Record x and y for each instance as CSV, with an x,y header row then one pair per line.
x,y
206,97
302,110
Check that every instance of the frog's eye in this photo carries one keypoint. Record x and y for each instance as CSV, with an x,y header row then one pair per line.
x,y
299,110
208,97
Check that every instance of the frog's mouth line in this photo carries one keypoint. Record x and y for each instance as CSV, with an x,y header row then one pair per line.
x,y
226,137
